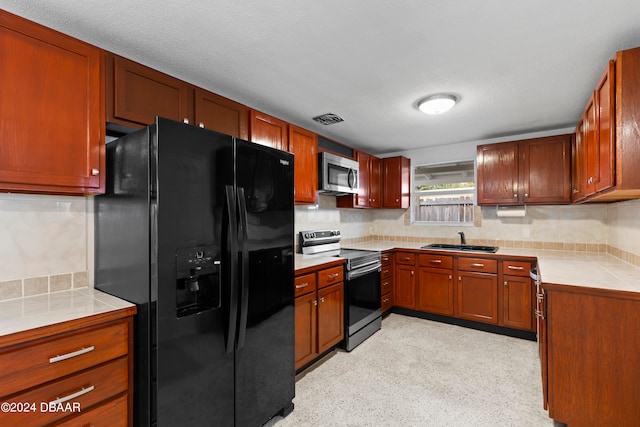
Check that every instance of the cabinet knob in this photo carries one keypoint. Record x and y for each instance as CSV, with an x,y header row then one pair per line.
x,y
95,172
412,272
201,124
315,302
185,121
506,283
397,200
515,196
526,194
450,277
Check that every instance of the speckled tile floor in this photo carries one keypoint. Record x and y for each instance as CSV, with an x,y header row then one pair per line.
x,y
415,372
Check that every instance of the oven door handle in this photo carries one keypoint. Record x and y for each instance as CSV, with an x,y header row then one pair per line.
x,y
354,274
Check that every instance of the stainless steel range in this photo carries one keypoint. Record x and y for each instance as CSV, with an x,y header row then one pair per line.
x,y
363,313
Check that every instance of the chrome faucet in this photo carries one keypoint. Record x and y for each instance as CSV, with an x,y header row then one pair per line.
x,y
463,241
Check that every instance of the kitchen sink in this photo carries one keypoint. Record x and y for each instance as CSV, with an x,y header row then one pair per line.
x,y
464,248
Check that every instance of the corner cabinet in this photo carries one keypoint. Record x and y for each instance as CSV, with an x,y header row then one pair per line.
x,y
51,111
590,355
533,171
607,152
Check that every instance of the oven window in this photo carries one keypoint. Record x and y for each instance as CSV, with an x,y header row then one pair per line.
x,y
363,296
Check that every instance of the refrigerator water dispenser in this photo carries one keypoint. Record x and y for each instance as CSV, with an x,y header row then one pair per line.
x,y
197,280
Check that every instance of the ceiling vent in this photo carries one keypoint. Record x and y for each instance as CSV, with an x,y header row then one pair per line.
x,y
328,119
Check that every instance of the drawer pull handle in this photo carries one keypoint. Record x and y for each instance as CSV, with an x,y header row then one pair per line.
x,y
477,264
302,285
515,267
72,395
435,261
333,276
72,354
405,258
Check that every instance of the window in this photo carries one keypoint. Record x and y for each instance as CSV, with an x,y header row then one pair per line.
x,y
444,193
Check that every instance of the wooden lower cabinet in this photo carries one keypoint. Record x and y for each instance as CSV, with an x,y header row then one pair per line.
x,y
84,365
330,316
405,286
435,291
592,363
319,313
478,297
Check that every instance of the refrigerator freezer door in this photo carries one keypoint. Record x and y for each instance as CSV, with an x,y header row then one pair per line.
x,y
265,372
194,383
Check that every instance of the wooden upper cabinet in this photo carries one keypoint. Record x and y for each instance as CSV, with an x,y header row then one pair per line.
x,y
497,180
578,163
136,94
533,171
605,103
51,111
369,184
304,145
223,115
609,150
396,182
268,130
545,170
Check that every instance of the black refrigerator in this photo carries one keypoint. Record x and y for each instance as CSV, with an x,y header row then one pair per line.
x,y
196,229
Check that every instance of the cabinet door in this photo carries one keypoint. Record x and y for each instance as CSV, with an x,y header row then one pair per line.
x,y
375,181
545,170
435,291
605,121
306,317
516,302
304,145
221,114
578,179
364,175
51,111
591,148
396,182
405,286
478,297
137,94
497,174
330,316
268,130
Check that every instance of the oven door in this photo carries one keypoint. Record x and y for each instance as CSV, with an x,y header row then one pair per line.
x,y
362,297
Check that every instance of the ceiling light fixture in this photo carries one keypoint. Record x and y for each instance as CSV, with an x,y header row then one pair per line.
x,y
437,104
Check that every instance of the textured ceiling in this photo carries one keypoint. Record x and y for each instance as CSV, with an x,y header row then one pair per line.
x,y
517,66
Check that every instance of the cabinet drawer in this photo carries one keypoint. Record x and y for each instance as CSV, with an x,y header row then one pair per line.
x,y
84,390
405,258
109,414
386,286
385,258
516,268
386,272
386,301
478,264
48,359
436,261
305,284
330,276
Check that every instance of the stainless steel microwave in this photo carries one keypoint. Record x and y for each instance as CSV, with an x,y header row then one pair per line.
x,y
337,175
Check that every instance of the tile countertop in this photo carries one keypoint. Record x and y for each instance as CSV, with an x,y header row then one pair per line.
x,y
22,314
590,269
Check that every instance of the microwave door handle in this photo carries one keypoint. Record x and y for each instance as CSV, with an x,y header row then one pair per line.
x,y
352,179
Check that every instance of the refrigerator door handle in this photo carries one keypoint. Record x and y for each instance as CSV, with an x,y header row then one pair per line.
x,y
244,272
231,255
